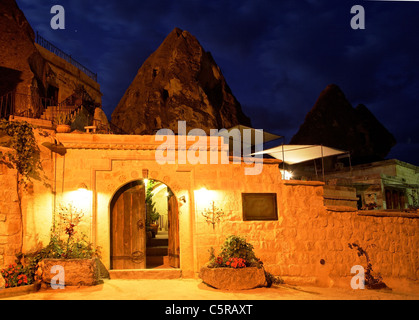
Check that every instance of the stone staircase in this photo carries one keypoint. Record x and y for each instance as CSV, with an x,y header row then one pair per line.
x,y
52,111
42,123
157,250
157,265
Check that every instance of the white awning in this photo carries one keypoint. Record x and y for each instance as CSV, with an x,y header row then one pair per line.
x,y
293,154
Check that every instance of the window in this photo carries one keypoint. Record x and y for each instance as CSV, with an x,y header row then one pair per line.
x,y
259,206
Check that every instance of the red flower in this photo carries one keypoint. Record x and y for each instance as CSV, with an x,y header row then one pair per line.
x,y
219,260
236,262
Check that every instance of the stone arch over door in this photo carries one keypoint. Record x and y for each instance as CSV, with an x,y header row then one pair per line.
x,y
128,227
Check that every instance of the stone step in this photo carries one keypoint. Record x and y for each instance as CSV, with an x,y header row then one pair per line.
x,y
157,242
36,122
154,261
157,251
169,273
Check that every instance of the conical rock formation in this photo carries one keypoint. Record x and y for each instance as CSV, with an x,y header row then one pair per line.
x,y
179,81
333,122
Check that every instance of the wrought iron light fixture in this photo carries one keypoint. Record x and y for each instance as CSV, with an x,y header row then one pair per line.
x,y
213,214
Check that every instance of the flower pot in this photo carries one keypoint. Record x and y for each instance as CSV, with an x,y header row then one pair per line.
x,y
17,291
154,228
77,272
63,128
233,279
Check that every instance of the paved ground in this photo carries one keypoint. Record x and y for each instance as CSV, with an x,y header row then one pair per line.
x,y
191,289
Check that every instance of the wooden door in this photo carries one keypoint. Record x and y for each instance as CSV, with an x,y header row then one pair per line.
x,y
396,204
128,234
389,202
173,221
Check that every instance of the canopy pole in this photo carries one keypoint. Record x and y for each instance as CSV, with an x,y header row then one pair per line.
x,y
315,168
350,163
322,162
283,158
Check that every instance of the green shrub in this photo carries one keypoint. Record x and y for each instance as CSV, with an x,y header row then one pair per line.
x,y
236,252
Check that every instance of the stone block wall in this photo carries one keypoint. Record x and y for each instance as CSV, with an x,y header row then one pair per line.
x,y
308,244
10,216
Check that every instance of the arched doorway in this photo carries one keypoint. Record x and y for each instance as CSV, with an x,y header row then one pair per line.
x,y
135,243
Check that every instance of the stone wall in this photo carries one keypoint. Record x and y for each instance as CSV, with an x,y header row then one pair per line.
x,y
67,77
307,243
10,216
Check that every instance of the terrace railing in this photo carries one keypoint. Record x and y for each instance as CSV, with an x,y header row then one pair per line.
x,y
58,52
46,109
7,104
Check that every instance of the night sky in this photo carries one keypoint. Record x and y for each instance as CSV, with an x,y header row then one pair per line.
x,y
277,56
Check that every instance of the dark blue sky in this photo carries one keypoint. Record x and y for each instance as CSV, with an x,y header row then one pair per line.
x,y
277,56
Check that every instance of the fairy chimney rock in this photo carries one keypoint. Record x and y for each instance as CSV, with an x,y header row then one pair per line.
x,y
333,122
179,81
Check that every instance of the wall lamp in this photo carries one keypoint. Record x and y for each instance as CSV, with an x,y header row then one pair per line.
x,y
82,186
182,199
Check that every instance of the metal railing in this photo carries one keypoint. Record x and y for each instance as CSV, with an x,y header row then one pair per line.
x,y
7,103
29,106
37,108
58,52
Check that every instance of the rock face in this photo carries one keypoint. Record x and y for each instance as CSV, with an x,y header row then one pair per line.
x,y
333,122
179,81
22,67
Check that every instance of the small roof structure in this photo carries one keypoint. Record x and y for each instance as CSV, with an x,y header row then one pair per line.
x,y
292,154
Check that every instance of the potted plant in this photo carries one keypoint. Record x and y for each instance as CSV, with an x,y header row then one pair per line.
x,y
70,249
152,215
62,121
236,267
17,279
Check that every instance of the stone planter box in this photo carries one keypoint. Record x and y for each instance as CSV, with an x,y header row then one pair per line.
x,y
233,279
18,291
77,272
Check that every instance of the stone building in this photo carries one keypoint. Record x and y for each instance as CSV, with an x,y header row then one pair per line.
x,y
299,229
382,185
294,232
37,79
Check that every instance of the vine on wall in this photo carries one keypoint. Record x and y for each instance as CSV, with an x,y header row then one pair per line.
x,y
20,137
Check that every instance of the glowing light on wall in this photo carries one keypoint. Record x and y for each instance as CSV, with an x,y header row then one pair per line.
x,y
205,205
203,196
286,175
80,198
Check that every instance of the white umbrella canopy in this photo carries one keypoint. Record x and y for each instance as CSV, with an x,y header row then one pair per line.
x,y
292,154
